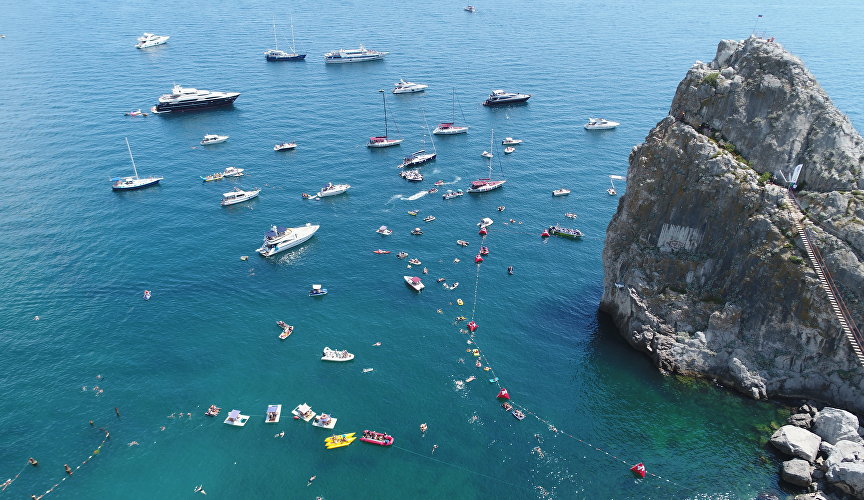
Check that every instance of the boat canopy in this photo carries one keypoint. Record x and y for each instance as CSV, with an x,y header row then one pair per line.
x,y
272,234
272,408
304,408
382,228
316,287
415,280
234,414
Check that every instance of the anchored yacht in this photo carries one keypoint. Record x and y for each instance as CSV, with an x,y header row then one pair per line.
x,y
403,87
279,239
353,55
151,40
499,97
188,99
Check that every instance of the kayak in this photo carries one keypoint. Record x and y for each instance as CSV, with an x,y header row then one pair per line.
x,y
379,251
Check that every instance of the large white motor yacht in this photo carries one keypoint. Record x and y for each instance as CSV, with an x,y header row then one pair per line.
x,y
151,40
279,239
403,87
600,124
353,55
333,189
238,196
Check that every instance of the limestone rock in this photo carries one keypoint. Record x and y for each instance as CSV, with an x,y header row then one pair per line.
x,y
834,425
797,472
846,468
825,448
797,442
803,420
702,244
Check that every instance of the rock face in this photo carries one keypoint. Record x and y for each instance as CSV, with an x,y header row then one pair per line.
x,y
835,425
711,276
797,472
845,468
796,442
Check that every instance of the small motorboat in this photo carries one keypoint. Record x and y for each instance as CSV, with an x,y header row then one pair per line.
x,y
367,370
317,291
414,282
570,215
287,330
232,172
439,183
486,154
600,124
429,218
213,177
137,112
565,232
485,222
303,411
484,250
519,415
462,243
411,175
561,192
285,146
324,421
403,87
333,189
509,149
379,438
236,419
501,208
336,355
416,231
384,231
401,255
339,441
147,294
432,190
413,212
213,139
510,270
238,196
274,412
471,9
449,195
453,287
379,251
414,261
509,141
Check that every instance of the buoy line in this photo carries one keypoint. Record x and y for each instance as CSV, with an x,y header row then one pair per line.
x,y
69,472
12,479
524,409
457,466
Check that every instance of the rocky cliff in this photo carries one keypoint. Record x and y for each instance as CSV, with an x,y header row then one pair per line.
x,y
704,269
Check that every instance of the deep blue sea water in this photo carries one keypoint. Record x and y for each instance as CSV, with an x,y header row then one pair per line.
x,y
79,255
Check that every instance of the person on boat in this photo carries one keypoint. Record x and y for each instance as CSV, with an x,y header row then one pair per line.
x,y
32,461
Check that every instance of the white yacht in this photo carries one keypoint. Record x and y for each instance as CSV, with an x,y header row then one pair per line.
x,y
285,146
403,87
213,139
353,55
483,185
414,282
509,141
189,99
333,189
238,196
509,149
411,175
134,182
600,124
233,172
151,40
384,231
561,192
486,154
279,239
499,97
336,355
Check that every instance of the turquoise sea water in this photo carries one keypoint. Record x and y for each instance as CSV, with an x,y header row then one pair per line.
x,y
79,255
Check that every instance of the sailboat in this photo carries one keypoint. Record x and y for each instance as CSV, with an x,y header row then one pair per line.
x,y
420,157
129,183
487,184
449,128
613,178
281,55
383,141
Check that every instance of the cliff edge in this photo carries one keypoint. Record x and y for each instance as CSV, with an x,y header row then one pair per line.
x,y
704,268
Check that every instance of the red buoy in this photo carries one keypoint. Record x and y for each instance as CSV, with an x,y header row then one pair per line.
x,y
639,469
503,394
544,234
483,231
471,326
478,259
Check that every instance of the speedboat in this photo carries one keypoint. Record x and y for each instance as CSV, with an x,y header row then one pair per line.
x,y
303,411
600,124
232,172
133,182
570,215
449,128
561,192
335,355
333,189
509,141
417,158
470,8
384,231
213,139
324,421
403,87
401,255
279,239
411,175
485,222
378,438
353,55
238,196
236,419
449,195
486,154
499,97
317,291
509,149
188,99
414,261
213,177
565,232
285,146
339,441
429,218
439,182
414,282
416,231
151,40
274,412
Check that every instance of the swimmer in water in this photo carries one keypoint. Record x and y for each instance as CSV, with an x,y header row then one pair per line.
x,y
279,435
162,428
376,344
310,480
133,443
200,489
435,447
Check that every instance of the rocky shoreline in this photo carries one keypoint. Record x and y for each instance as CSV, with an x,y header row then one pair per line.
x,y
826,453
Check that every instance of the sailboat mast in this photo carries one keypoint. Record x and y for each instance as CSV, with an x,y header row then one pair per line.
x,y
425,124
384,100
293,48
134,168
454,104
275,41
491,141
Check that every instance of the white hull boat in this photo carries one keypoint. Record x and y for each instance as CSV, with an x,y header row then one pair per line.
x,y
213,139
274,413
303,411
353,55
450,128
414,282
238,196
333,190
600,124
324,421
279,239
561,192
336,355
403,87
133,182
509,141
151,40
236,419
487,184
285,146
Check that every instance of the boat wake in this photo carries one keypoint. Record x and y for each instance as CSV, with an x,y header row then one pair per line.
x,y
394,198
454,181
416,196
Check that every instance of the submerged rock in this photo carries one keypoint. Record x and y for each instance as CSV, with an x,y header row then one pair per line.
x,y
797,442
716,282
